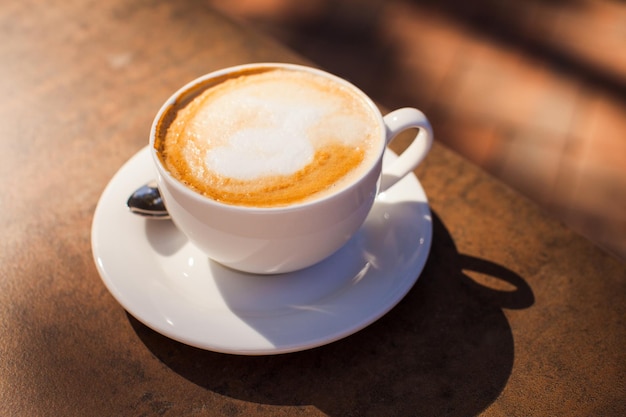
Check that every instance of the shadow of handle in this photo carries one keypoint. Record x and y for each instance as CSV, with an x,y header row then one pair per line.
x,y
396,122
519,298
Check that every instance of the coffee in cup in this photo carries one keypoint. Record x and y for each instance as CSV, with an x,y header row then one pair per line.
x,y
269,137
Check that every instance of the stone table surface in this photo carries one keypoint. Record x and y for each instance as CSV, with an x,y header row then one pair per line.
x,y
514,314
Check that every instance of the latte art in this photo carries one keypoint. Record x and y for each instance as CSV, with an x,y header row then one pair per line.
x,y
270,138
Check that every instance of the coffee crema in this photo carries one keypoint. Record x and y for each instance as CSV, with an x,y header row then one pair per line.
x,y
270,137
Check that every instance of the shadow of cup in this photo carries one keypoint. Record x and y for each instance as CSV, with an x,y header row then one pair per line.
x,y
446,348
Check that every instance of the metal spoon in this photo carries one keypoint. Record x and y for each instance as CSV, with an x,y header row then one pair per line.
x,y
146,201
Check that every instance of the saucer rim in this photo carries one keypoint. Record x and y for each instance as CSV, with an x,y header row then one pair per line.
x,y
402,287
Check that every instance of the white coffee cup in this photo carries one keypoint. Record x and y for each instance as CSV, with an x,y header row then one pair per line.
x,y
269,240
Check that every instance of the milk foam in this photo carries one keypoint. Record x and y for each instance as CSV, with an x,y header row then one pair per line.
x,y
254,153
276,144
262,132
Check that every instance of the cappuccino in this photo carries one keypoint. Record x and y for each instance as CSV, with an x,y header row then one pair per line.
x,y
269,137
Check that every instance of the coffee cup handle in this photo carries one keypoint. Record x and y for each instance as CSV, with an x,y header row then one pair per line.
x,y
396,122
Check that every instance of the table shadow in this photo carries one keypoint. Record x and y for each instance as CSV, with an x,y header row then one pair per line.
x,y
445,349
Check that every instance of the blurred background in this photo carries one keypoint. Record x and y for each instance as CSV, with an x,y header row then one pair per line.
x,y
533,91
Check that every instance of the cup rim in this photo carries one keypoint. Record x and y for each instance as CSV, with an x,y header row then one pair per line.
x,y
181,187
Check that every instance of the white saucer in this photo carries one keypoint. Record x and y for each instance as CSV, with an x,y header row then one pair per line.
x,y
167,284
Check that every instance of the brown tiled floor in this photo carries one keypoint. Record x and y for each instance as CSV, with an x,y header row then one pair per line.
x,y
533,91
